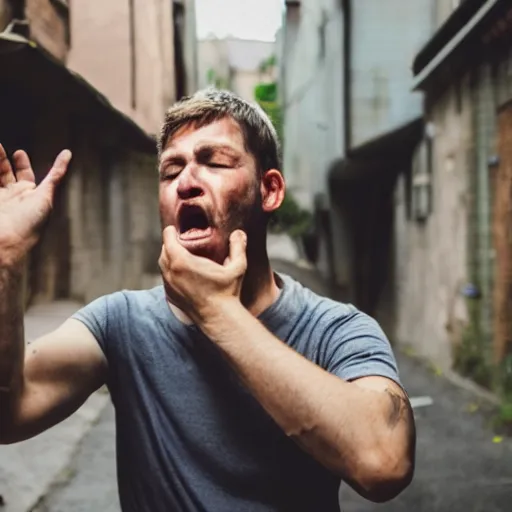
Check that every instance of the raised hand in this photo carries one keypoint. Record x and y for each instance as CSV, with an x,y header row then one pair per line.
x,y
24,207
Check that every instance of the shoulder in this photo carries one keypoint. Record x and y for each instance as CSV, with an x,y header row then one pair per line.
x,y
320,308
109,315
124,301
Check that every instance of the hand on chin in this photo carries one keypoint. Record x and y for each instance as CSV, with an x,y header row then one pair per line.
x,y
212,249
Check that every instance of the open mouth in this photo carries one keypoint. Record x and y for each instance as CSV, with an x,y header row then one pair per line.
x,y
193,223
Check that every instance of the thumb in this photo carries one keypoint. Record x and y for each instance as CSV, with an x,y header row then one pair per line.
x,y
171,245
237,259
57,172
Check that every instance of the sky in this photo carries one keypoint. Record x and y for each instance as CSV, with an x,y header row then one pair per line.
x,y
245,19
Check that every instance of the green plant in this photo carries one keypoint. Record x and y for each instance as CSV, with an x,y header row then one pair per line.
x,y
470,355
266,95
290,218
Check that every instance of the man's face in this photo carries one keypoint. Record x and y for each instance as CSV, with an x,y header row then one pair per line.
x,y
208,187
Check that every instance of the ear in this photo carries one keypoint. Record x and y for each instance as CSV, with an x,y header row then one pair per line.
x,y
273,190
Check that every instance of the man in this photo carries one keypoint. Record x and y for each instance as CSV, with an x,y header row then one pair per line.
x,y
235,389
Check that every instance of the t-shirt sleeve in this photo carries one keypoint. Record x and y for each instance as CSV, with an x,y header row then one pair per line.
x,y
95,317
355,346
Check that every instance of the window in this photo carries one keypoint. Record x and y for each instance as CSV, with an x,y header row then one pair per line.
x,y
422,171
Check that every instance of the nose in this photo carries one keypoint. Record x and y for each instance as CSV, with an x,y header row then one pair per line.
x,y
188,185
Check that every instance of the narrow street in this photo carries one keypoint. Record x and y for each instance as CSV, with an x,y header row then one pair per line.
x,y
460,466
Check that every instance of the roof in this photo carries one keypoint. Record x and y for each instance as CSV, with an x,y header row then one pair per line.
x,y
450,27
457,38
381,154
34,71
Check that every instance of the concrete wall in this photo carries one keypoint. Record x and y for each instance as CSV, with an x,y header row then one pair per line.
x,y
102,51
115,230
313,96
444,9
382,53
48,26
191,50
431,257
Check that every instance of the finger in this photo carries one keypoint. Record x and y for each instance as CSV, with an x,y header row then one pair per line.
x,y
57,172
175,251
237,259
163,261
6,174
22,167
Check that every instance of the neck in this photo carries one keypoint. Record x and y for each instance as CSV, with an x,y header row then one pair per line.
x,y
259,290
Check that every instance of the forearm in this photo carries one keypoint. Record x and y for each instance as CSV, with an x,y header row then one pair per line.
x,y
12,343
345,427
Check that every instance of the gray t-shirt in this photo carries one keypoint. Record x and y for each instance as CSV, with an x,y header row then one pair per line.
x,y
190,436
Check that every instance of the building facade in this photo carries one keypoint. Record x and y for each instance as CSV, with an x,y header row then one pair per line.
x,y
456,246
92,78
350,117
410,179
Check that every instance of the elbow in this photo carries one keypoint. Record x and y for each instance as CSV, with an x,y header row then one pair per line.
x,y
383,477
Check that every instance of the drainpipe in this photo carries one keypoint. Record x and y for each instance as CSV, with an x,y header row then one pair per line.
x,y
347,73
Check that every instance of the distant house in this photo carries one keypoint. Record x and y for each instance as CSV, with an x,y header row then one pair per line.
x,y
94,77
236,64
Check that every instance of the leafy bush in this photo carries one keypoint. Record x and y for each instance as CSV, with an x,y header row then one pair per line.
x,y
291,219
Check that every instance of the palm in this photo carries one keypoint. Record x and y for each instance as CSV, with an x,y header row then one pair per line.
x,y
23,206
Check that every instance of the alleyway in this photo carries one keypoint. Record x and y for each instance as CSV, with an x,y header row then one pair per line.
x,y
460,467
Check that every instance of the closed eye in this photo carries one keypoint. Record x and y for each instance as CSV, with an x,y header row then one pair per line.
x,y
218,165
170,171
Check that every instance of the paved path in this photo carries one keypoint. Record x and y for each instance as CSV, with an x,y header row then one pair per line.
x,y
28,469
459,467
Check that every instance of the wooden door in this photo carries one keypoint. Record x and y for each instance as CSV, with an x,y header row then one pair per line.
x,y
502,234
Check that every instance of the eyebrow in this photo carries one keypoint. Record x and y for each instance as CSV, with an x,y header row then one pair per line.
x,y
173,155
218,148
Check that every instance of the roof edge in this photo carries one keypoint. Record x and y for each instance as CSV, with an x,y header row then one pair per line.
x,y
456,21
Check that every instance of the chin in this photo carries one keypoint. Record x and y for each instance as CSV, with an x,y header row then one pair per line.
x,y
207,248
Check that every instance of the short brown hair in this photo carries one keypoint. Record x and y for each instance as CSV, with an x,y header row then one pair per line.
x,y
210,105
